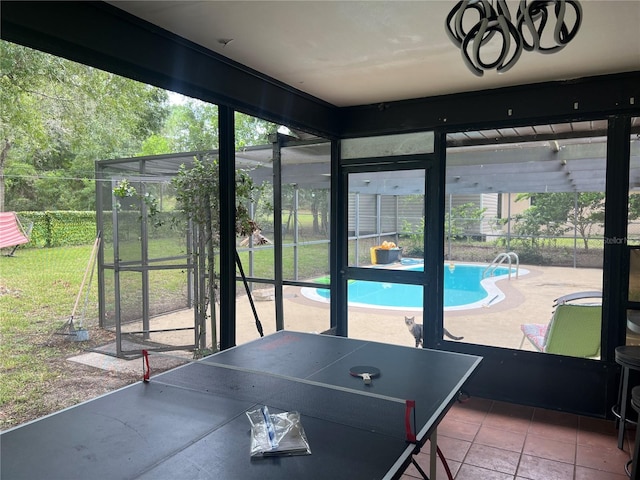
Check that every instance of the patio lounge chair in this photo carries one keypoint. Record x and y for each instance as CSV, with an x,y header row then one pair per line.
x,y
12,233
574,329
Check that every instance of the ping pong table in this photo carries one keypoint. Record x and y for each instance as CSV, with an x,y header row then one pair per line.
x,y
190,422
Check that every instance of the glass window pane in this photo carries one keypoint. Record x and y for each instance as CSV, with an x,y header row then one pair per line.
x,y
386,222
386,218
306,199
145,229
387,146
633,234
304,167
524,214
257,251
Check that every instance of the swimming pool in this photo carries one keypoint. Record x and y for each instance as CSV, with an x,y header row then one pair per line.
x,y
464,288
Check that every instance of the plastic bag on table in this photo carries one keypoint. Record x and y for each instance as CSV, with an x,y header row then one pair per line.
x,y
277,434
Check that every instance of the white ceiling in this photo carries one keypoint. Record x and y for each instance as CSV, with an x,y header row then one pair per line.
x,y
361,52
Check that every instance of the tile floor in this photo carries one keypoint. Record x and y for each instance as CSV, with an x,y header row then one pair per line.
x,y
488,440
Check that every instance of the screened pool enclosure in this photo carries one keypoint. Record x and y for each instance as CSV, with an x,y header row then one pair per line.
x,y
150,262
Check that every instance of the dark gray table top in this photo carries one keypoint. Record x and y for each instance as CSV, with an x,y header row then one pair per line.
x,y
190,422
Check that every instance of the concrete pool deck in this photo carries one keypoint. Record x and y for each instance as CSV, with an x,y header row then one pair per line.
x,y
528,299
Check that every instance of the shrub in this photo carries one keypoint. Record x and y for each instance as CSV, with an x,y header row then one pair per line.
x,y
60,228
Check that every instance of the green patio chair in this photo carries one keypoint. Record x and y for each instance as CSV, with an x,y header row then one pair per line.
x,y
574,330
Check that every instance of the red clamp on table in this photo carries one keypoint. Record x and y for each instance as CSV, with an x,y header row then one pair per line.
x,y
145,366
411,406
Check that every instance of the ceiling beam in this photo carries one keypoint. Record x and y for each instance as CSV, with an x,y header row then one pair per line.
x,y
576,99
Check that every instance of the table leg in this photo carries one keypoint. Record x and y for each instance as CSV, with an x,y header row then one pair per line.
x,y
433,460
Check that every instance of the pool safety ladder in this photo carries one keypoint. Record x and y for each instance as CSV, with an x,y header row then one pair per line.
x,y
499,260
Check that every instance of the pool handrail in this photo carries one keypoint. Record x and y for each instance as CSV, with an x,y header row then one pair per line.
x,y
499,260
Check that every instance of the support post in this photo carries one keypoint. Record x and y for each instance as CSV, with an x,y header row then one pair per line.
x,y
227,228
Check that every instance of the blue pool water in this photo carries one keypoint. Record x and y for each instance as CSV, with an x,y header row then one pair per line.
x,y
464,288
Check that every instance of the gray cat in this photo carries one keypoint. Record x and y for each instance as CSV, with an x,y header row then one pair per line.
x,y
416,330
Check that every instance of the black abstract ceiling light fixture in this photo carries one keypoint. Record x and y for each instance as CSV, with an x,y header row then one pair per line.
x,y
485,26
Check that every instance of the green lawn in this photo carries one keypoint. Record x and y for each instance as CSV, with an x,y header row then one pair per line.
x,y
313,261
38,290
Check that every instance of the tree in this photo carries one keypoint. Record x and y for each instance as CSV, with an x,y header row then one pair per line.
x,y
21,124
192,126
545,218
462,220
634,206
198,193
57,118
554,214
588,212
251,131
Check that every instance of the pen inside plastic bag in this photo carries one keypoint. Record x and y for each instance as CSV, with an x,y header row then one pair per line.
x,y
270,429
